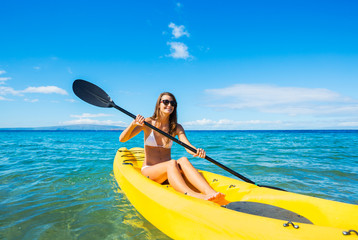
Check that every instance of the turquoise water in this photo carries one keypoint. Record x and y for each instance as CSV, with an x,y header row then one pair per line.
x,y
60,185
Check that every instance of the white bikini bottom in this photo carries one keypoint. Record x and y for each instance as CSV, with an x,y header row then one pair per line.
x,y
144,167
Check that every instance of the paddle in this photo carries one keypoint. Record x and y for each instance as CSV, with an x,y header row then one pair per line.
x,y
94,95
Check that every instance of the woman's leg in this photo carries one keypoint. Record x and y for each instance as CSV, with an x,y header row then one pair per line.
x,y
170,170
157,172
195,177
198,181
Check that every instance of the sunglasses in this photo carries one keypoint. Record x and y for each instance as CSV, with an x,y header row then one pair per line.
x,y
166,102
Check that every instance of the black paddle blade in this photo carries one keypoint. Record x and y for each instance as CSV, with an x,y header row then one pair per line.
x,y
92,94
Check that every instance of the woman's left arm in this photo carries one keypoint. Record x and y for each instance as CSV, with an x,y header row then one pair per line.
x,y
182,137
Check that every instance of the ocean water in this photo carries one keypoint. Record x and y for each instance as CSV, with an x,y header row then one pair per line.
x,y
60,185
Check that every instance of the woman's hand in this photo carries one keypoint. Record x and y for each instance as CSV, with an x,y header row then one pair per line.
x,y
133,129
139,121
200,153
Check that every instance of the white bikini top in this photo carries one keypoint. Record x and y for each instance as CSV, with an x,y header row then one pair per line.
x,y
150,141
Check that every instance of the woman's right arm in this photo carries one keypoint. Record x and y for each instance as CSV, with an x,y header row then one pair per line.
x,y
133,129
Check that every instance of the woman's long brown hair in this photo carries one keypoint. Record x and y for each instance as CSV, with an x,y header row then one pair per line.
x,y
173,116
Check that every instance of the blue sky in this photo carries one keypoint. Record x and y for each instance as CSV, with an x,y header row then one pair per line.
x,y
231,64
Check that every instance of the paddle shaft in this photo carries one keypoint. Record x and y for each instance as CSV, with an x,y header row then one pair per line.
x,y
94,95
184,145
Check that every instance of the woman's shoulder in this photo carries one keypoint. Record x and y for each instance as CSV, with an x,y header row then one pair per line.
x,y
179,128
149,120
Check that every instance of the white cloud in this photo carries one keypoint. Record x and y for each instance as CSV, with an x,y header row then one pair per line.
x,y
89,115
87,118
4,99
264,95
45,89
178,50
8,90
94,121
178,31
31,100
348,124
227,122
283,100
3,79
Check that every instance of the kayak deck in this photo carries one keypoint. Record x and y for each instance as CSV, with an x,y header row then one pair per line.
x,y
171,212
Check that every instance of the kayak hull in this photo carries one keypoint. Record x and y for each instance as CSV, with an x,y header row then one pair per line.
x,y
183,217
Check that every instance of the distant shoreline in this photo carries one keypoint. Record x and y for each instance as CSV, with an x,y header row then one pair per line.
x,y
120,130
107,128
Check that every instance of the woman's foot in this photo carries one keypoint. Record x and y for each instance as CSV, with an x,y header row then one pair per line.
x,y
217,197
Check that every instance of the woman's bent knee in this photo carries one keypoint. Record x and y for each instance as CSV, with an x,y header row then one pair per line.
x,y
172,163
183,161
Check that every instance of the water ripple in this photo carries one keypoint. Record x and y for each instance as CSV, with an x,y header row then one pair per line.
x,y
60,185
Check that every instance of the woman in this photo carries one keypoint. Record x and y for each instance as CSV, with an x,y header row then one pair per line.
x,y
158,165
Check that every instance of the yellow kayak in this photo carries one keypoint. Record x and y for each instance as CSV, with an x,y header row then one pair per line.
x,y
254,212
